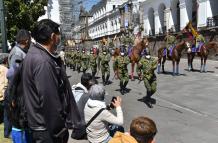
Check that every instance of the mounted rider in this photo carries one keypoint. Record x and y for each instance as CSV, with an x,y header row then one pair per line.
x,y
170,41
199,38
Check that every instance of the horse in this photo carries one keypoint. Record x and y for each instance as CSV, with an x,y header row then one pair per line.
x,y
203,54
175,57
134,55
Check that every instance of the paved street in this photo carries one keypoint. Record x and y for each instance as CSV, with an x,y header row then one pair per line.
x,y
186,105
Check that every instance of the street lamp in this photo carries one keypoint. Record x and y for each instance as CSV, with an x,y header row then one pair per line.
x,y
3,28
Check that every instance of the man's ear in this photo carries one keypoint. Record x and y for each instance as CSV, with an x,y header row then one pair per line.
x,y
52,36
152,141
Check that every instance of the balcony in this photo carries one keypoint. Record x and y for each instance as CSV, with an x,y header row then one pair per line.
x,y
212,21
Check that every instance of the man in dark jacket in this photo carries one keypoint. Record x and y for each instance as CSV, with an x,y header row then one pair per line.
x,y
51,108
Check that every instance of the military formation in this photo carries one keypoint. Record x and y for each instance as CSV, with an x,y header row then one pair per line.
x,y
81,59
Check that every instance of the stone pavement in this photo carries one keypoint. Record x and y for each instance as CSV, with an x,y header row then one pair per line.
x,y
186,105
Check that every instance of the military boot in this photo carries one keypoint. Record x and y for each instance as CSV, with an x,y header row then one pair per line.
x,y
124,87
103,79
107,80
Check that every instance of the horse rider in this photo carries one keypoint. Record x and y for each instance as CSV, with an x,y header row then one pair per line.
x,y
84,60
170,41
103,63
121,70
92,62
78,59
146,68
200,40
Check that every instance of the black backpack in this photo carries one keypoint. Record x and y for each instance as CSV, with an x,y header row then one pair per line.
x,y
14,100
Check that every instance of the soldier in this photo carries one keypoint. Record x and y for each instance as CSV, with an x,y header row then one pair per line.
x,y
200,40
93,64
121,70
72,59
103,60
170,41
78,60
84,60
147,66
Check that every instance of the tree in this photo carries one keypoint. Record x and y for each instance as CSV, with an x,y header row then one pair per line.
x,y
22,14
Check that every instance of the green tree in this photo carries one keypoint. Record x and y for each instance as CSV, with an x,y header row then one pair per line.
x,y
22,14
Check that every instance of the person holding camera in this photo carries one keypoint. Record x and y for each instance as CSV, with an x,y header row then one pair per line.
x,y
98,130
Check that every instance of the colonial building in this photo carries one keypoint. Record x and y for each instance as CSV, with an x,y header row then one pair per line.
x,y
161,15
109,17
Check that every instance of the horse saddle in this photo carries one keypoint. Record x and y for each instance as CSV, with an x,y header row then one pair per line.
x,y
197,49
170,52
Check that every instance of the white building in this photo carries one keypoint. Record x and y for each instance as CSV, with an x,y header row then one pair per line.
x,y
52,11
106,18
161,15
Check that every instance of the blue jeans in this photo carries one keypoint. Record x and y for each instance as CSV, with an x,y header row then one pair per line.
x,y
18,136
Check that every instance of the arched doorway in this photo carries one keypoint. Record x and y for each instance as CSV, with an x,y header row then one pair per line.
x,y
151,21
162,17
176,14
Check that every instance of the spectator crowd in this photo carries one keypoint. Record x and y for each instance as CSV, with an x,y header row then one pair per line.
x,y
40,105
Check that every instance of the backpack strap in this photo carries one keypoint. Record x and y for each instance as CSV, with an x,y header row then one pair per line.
x,y
94,117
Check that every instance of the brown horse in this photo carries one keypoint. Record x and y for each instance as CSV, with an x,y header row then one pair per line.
x,y
203,54
135,54
175,57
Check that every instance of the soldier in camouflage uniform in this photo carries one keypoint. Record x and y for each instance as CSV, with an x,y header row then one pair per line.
x,y
72,59
120,68
103,60
78,60
84,60
199,41
170,41
147,66
92,62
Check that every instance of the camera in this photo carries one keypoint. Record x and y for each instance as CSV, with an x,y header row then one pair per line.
x,y
111,106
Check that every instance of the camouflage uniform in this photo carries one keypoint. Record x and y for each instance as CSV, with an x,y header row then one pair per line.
x,y
77,60
93,63
199,39
147,67
120,65
85,61
72,59
170,41
104,59
67,55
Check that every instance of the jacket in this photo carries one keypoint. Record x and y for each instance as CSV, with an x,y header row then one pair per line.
x,y
122,138
48,97
97,131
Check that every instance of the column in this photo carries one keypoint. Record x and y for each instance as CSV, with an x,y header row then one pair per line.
x,y
168,18
157,23
130,7
183,15
204,11
122,18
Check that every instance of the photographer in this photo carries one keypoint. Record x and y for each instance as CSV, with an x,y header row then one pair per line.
x,y
98,130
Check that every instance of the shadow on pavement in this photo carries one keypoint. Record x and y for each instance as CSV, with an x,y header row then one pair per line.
x,y
148,103
195,70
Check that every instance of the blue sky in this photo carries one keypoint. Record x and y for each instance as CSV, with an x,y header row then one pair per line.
x,y
89,3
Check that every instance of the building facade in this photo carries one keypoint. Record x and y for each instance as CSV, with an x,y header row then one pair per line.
x,y
161,15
